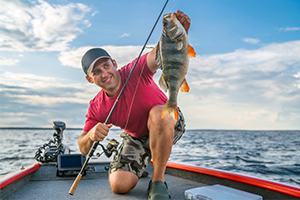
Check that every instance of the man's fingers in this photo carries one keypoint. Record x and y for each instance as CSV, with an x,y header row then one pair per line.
x,y
103,128
184,20
100,131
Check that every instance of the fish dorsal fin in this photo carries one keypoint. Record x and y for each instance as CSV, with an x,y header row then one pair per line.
x,y
191,52
162,83
158,56
184,86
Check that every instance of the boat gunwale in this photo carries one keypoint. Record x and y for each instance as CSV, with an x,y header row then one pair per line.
x,y
277,187
16,175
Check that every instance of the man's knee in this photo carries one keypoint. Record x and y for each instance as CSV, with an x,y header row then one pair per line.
x,y
155,119
155,112
121,182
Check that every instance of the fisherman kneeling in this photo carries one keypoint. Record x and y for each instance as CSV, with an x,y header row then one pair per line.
x,y
146,135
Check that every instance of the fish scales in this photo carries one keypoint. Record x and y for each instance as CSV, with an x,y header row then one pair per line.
x,y
172,56
174,64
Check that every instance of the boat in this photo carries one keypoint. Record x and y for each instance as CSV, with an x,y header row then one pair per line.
x,y
54,178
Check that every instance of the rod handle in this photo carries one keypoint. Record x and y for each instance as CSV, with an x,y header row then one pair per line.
x,y
75,184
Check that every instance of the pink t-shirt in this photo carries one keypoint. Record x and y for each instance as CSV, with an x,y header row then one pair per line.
x,y
147,95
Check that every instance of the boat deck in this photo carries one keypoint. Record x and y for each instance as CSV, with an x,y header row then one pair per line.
x,y
44,184
41,182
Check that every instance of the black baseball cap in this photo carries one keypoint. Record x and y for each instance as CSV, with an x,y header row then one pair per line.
x,y
89,59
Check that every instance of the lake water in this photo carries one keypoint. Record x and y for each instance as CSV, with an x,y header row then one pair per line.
x,y
269,155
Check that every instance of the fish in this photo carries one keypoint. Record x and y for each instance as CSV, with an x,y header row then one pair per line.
x,y
172,56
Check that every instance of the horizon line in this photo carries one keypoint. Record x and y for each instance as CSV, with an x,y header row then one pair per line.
x,y
204,129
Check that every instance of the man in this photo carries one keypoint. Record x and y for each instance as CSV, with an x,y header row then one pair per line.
x,y
146,135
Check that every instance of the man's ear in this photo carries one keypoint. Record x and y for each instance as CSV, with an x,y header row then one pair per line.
x,y
115,64
89,79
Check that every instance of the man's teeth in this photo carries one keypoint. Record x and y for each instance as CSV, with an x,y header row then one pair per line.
x,y
107,79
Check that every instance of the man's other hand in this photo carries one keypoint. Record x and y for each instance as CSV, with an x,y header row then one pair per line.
x,y
184,20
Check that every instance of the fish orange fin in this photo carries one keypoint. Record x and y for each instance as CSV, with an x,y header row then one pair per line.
x,y
176,114
162,83
191,52
167,110
184,86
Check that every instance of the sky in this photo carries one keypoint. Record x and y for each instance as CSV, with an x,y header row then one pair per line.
x,y
246,74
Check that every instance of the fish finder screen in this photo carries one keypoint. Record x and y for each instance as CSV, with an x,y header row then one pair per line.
x,y
70,162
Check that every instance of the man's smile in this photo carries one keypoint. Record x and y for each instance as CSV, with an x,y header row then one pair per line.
x,y
107,79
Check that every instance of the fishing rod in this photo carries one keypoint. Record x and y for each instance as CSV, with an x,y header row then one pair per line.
x,y
96,143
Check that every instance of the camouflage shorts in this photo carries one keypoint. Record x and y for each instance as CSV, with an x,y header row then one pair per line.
x,y
134,153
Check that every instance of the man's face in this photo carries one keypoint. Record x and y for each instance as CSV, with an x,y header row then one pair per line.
x,y
106,76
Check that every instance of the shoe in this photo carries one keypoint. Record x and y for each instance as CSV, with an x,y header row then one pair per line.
x,y
158,191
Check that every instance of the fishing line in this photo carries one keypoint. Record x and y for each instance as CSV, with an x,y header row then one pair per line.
x,y
94,147
133,97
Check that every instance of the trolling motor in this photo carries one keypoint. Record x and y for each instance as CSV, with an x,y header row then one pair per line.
x,y
59,127
67,164
55,151
49,151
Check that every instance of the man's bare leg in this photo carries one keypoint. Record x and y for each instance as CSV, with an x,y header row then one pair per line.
x,y
161,135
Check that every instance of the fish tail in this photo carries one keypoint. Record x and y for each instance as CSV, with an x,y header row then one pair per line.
x,y
168,109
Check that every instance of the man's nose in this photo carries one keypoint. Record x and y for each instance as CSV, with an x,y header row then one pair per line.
x,y
104,73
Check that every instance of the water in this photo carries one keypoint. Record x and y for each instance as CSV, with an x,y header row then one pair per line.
x,y
269,155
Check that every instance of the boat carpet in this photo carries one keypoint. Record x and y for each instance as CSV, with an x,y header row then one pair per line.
x,y
45,185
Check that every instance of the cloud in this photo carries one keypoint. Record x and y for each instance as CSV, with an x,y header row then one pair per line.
x,y
72,58
34,100
27,91
8,61
125,35
40,26
122,54
13,120
251,86
251,40
243,89
95,13
290,29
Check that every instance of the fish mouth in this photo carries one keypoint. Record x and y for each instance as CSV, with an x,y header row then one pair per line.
x,y
168,16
